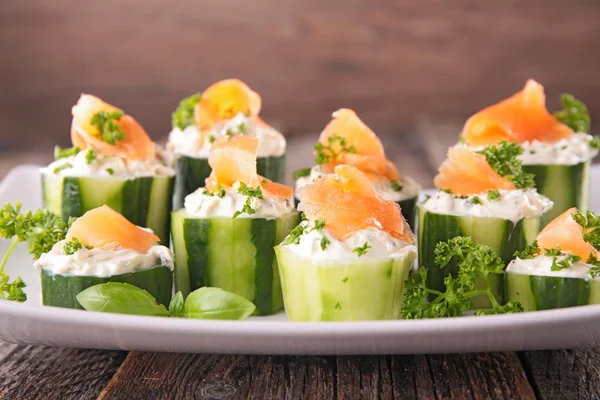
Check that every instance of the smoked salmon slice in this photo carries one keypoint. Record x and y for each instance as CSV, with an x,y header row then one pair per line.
x,y
234,160
465,173
521,118
136,145
348,202
103,225
565,233
366,153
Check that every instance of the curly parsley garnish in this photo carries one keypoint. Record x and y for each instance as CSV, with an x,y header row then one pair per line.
x,y
590,222
476,200
503,158
595,270
324,243
565,263
40,230
64,153
493,195
574,114
476,263
90,156
73,245
362,250
184,114
531,250
326,153
107,124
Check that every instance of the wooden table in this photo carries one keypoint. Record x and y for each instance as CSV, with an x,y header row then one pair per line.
x,y
37,372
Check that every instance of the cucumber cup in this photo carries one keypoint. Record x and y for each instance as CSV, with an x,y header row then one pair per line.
x,y
234,254
330,290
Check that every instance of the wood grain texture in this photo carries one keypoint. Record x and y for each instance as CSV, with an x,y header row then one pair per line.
x,y
178,376
392,61
38,372
564,374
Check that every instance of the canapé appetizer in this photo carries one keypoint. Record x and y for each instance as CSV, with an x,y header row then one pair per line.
x,y
113,162
349,259
347,140
562,268
227,108
224,236
103,246
483,195
557,148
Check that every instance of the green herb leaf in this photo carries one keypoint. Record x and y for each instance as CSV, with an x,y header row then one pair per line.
x,y
120,298
552,252
61,167
64,153
324,243
301,173
574,114
90,156
396,186
328,153
294,236
242,128
245,190
73,245
247,209
110,171
177,305
493,194
503,159
476,200
345,279
530,251
363,249
590,222
595,270
107,124
211,139
595,142
184,114
564,263
215,303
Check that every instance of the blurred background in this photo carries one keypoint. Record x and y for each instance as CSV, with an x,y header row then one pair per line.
x,y
398,63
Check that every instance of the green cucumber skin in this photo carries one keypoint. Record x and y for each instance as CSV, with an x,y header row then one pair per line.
x,y
61,290
408,207
145,201
566,185
549,292
233,254
369,289
191,174
503,236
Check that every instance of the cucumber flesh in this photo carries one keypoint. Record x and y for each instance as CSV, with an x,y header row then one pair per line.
x,y
61,290
369,289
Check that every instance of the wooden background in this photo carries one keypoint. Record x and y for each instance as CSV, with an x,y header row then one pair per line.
x,y
397,62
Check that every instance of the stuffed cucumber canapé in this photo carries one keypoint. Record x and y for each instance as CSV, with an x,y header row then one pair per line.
x,y
486,196
102,246
562,268
557,148
113,162
348,261
225,234
227,108
347,140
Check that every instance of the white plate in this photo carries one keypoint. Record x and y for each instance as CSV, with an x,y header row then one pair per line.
x,y
32,323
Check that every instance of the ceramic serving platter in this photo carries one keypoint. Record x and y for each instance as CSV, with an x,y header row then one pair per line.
x,y
32,323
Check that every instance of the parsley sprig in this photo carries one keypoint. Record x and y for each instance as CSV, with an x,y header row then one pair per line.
x,y
590,222
327,153
250,194
64,153
40,230
531,250
476,263
184,114
574,114
73,245
107,123
362,250
503,158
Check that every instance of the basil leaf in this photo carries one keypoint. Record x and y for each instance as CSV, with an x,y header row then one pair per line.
x,y
176,305
120,298
215,303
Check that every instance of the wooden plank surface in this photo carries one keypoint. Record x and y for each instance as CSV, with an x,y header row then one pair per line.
x,y
392,61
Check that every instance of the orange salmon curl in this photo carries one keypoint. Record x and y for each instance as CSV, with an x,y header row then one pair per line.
x,y
348,202
367,151
466,173
521,118
136,145
234,160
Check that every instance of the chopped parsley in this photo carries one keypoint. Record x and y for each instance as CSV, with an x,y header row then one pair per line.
x,y
301,173
248,191
107,123
61,167
338,306
476,200
318,225
211,138
531,250
110,171
64,153
184,114
324,243
449,191
503,159
595,270
396,186
493,195
247,209
229,132
219,193
362,250
574,114
552,252
325,153
476,263
564,263
90,156
590,222
73,245
242,128
595,142
294,236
